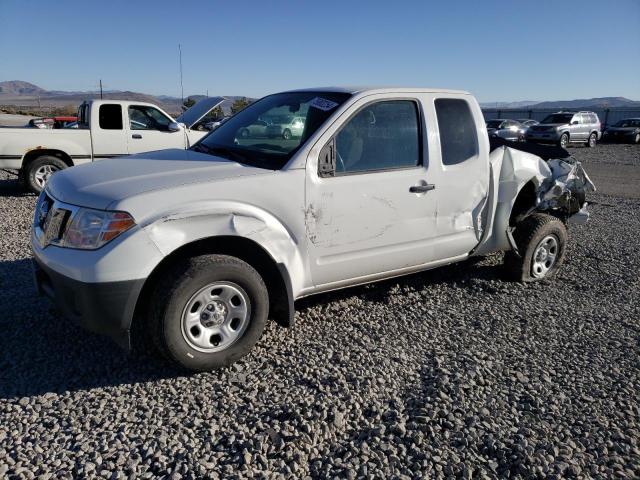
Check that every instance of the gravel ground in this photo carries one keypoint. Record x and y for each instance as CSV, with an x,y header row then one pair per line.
x,y
449,373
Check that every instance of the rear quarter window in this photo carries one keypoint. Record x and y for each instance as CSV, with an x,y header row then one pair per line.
x,y
458,135
110,117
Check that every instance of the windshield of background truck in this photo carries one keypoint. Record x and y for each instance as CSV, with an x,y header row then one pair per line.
x,y
246,138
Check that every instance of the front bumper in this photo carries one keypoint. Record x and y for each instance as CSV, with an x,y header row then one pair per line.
x,y
106,308
618,137
542,137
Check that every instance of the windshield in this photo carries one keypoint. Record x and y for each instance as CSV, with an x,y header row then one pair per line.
x,y
628,123
268,132
558,118
494,123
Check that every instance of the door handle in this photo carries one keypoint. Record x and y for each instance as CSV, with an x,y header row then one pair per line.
x,y
136,135
422,188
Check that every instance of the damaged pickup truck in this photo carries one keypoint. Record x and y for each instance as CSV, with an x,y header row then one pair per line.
x,y
195,249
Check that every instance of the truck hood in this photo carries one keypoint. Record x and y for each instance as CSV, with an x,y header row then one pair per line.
x,y
101,183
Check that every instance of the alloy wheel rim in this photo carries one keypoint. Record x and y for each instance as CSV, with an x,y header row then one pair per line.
x,y
544,256
216,317
42,174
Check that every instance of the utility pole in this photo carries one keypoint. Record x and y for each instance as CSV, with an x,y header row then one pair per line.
x,y
100,89
181,86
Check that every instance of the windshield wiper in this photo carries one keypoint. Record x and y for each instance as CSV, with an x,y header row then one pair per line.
x,y
220,152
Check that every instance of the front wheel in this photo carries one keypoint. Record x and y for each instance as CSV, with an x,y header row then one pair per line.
x,y
636,140
208,312
541,240
286,134
38,172
564,140
593,139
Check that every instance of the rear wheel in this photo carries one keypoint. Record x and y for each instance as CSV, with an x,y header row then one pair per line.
x,y
593,139
541,240
564,140
39,171
244,133
208,312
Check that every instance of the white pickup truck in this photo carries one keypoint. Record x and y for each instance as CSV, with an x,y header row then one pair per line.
x,y
106,129
195,249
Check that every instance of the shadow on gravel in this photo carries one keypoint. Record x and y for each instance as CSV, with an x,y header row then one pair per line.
x,y
468,271
10,187
42,352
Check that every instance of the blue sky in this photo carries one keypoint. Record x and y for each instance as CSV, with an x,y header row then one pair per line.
x,y
499,50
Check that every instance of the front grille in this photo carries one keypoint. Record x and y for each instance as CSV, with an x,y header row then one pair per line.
x,y
50,220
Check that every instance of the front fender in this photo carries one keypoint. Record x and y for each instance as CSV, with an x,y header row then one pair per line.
x,y
194,222
510,171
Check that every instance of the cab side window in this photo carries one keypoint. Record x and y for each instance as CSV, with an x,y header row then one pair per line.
x,y
458,136
110,117
381,136
147,118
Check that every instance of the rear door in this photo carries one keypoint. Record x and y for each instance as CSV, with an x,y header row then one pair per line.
x,y
148,130
460,171
108,134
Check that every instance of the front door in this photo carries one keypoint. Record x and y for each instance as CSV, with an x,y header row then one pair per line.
x,y
377,212
149,130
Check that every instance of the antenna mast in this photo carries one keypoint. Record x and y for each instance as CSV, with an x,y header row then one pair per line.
x,y
181,87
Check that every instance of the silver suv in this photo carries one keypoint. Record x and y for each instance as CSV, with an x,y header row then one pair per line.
x,y
566,127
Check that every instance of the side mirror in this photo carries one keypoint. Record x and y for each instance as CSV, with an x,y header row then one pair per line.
x,y
327,160
175,127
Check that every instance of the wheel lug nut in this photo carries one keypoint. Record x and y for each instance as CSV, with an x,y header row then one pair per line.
x,y
209,307
204,316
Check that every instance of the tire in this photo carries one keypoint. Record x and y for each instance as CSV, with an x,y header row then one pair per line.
x,y
636,140
592,141
39,170
193,346
564,140
535,233
286,134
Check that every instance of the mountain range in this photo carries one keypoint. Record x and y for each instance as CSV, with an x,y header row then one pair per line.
x,y
578,104
18,92
25,94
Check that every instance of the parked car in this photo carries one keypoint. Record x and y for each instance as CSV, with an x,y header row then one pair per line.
x,y
257,129
289,127
194,250
528,122
627,130
563,128
213,124
107,128
507,129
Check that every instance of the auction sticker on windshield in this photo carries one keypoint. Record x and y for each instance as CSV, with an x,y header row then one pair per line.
x,y
323,104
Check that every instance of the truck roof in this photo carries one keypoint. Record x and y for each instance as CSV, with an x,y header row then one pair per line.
x,y
364,89
121,102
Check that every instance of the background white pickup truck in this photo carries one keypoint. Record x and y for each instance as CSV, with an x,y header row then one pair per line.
x,y
106,128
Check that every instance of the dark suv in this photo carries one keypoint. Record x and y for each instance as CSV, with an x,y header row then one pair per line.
x,y
566,127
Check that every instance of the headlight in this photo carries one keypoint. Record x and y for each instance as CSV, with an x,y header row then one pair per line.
x,y
91,229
